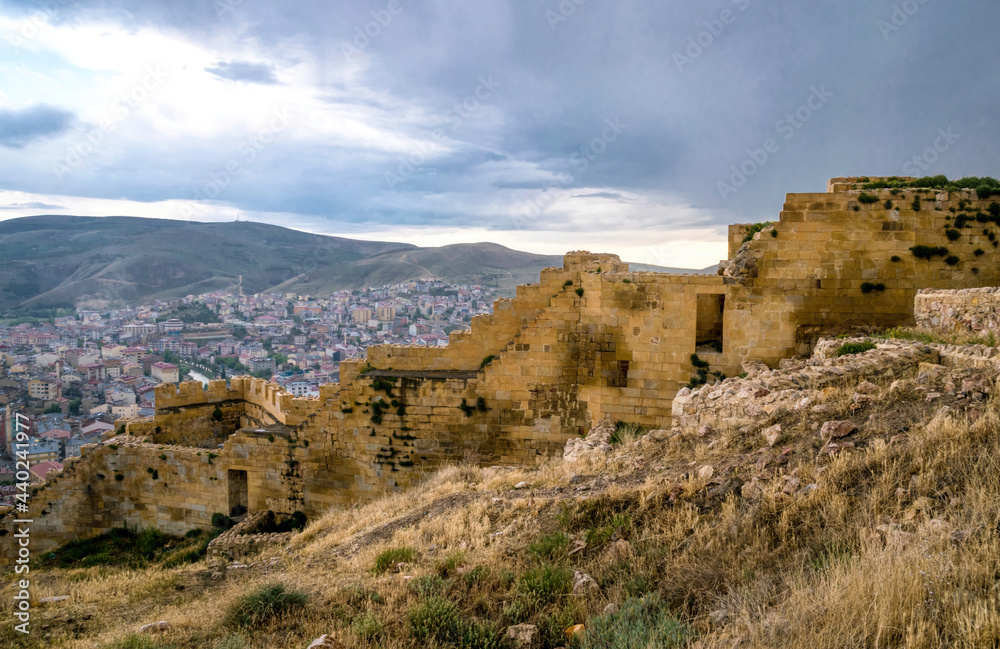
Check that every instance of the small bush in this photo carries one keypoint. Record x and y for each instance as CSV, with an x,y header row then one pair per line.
x,y
222,521
915,205
264,605
547,583
439,620
867,199
428,585
579,292
754,229
626,431
951,260
644,622
887,205
774,234
979,252
466,408
929,252
486,361
481,404
217,414
855,348
895,259
568,282
387,560
868,287
367,626
952,234
551,547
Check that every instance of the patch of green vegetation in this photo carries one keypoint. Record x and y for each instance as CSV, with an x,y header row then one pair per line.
x,y
626,431
639,622
855,348
439,621
388,559
486,361
867,199
481,404
428,586
579,292
952,234
895,259
368,627
951,260
121,546
264,605
868,287
929,252
887,205
136,641
546,583
550,547
466,408
755,228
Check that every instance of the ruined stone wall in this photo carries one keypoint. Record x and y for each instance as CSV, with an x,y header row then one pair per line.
x,y
973,310
114,485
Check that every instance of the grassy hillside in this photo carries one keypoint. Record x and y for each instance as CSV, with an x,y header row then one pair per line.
x,y
59,260
888,540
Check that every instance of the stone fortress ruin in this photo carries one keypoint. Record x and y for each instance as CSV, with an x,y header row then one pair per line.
x,y
590,340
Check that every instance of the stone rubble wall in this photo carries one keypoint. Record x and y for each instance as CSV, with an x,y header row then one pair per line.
x,y
973,310
243,539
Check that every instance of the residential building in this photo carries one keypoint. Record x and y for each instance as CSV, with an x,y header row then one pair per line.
x,y
165,372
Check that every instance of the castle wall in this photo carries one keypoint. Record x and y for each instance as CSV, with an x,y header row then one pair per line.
x,y
973,310
590,340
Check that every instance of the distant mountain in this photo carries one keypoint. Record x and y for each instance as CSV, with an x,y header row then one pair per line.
x,y
67,260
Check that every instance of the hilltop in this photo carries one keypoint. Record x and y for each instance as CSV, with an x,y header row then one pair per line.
x,y
853,506
63,260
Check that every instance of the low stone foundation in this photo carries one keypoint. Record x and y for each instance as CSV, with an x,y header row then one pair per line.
x,y
975,310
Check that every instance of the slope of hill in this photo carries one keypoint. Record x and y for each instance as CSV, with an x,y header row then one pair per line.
x,y
857,508
64,260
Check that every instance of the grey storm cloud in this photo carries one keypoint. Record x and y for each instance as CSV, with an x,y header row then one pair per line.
x,y
715,95
243,71
20,127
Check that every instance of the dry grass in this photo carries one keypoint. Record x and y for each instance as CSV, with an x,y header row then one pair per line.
x,y
896,545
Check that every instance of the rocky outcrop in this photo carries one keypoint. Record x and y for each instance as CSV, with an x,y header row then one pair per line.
x,y
974,310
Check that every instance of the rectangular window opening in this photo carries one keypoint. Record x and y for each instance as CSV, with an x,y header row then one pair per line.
x,y
711,308
239,493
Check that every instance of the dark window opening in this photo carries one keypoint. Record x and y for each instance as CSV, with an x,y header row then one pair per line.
x,y
239,493
711,308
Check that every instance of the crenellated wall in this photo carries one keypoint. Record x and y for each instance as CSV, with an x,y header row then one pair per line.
x,y
590,340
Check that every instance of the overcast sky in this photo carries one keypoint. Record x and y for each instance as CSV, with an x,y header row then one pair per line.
x,y
641,128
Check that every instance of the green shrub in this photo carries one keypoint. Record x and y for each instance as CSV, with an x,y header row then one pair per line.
x,y
895,259
135,641
755,228
264,605
579,292
222,521
217,414
388,559
439,620
568,282
915,205
626,431
367,626
428,586
640,622
466,408
855,348
481,404
868,287
887,205
486,361
547,583
979,252
867,199
929,252
952,234
551,547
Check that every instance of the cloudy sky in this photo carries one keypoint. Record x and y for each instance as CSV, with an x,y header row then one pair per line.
x,y
641,128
